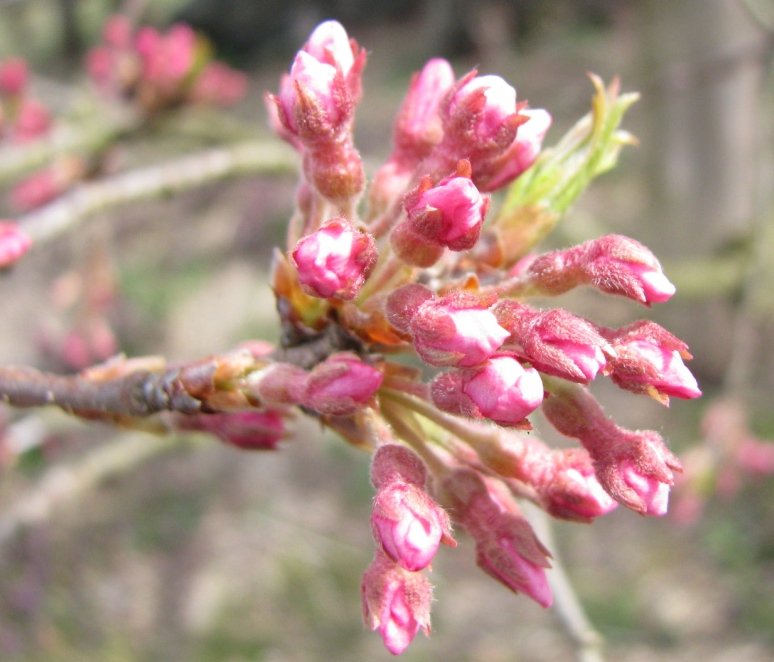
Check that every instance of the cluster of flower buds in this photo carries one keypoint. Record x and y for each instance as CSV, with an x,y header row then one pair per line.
x,y
422,268
13,243
159,70
22,117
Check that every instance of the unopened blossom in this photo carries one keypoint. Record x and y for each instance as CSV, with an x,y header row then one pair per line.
x,y
455,330
396,463
38,189
330,43
117,31
613,264
32,121
418,126
482,108
396,602
649,359
219,85
335,260
248,430
408,524
506,546
166,58
13,76
451,212
503,390
14,243
571,489
341,385
554,341
634,466
520,155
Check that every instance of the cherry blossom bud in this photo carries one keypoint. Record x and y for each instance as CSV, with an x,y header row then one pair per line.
x,y
503,390
396,602
413,247
13,243
335,260
408,524
329,43
649,360
418,127
614,264
32,121
166,59
396,463
13,76
249,430
485,108
403,303
37,189
117,31
555,341
506,546
219,85
519,156
341,385
455,330
573,491
634,466
451,212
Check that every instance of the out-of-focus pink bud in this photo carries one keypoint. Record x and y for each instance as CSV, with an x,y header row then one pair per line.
x,y
554,341
418,127
249,430
32,121
37,189
13,243
634,466
614,264
166,59
13,76
341,385
99,65
451,212
503,390
395,463
335,260
117,31
520,155
408,524
506,546
649,360
219,85
396,602
456,329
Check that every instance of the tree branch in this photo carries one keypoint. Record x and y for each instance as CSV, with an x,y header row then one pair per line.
x,y
188,172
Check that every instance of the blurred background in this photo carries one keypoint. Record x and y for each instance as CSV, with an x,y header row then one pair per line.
x,y
199,552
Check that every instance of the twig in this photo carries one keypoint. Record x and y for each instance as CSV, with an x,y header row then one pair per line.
x,y
64,484
568,608
71,209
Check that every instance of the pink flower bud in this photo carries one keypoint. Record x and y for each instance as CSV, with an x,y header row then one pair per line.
x,y
484,106
506,546
614,264
554,341
418,127
249,430
649,359
408,524
396,602
455,330
395,463
13,243
309,97
341,385
335,260
403,303
117,31
573,491
37,189
166,59
13,76
329,43
634,466
219,85
413,247
450,213
519,156
32,121
503,390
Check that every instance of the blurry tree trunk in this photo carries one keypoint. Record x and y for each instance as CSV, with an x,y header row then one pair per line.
x,y
71,38
708,60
